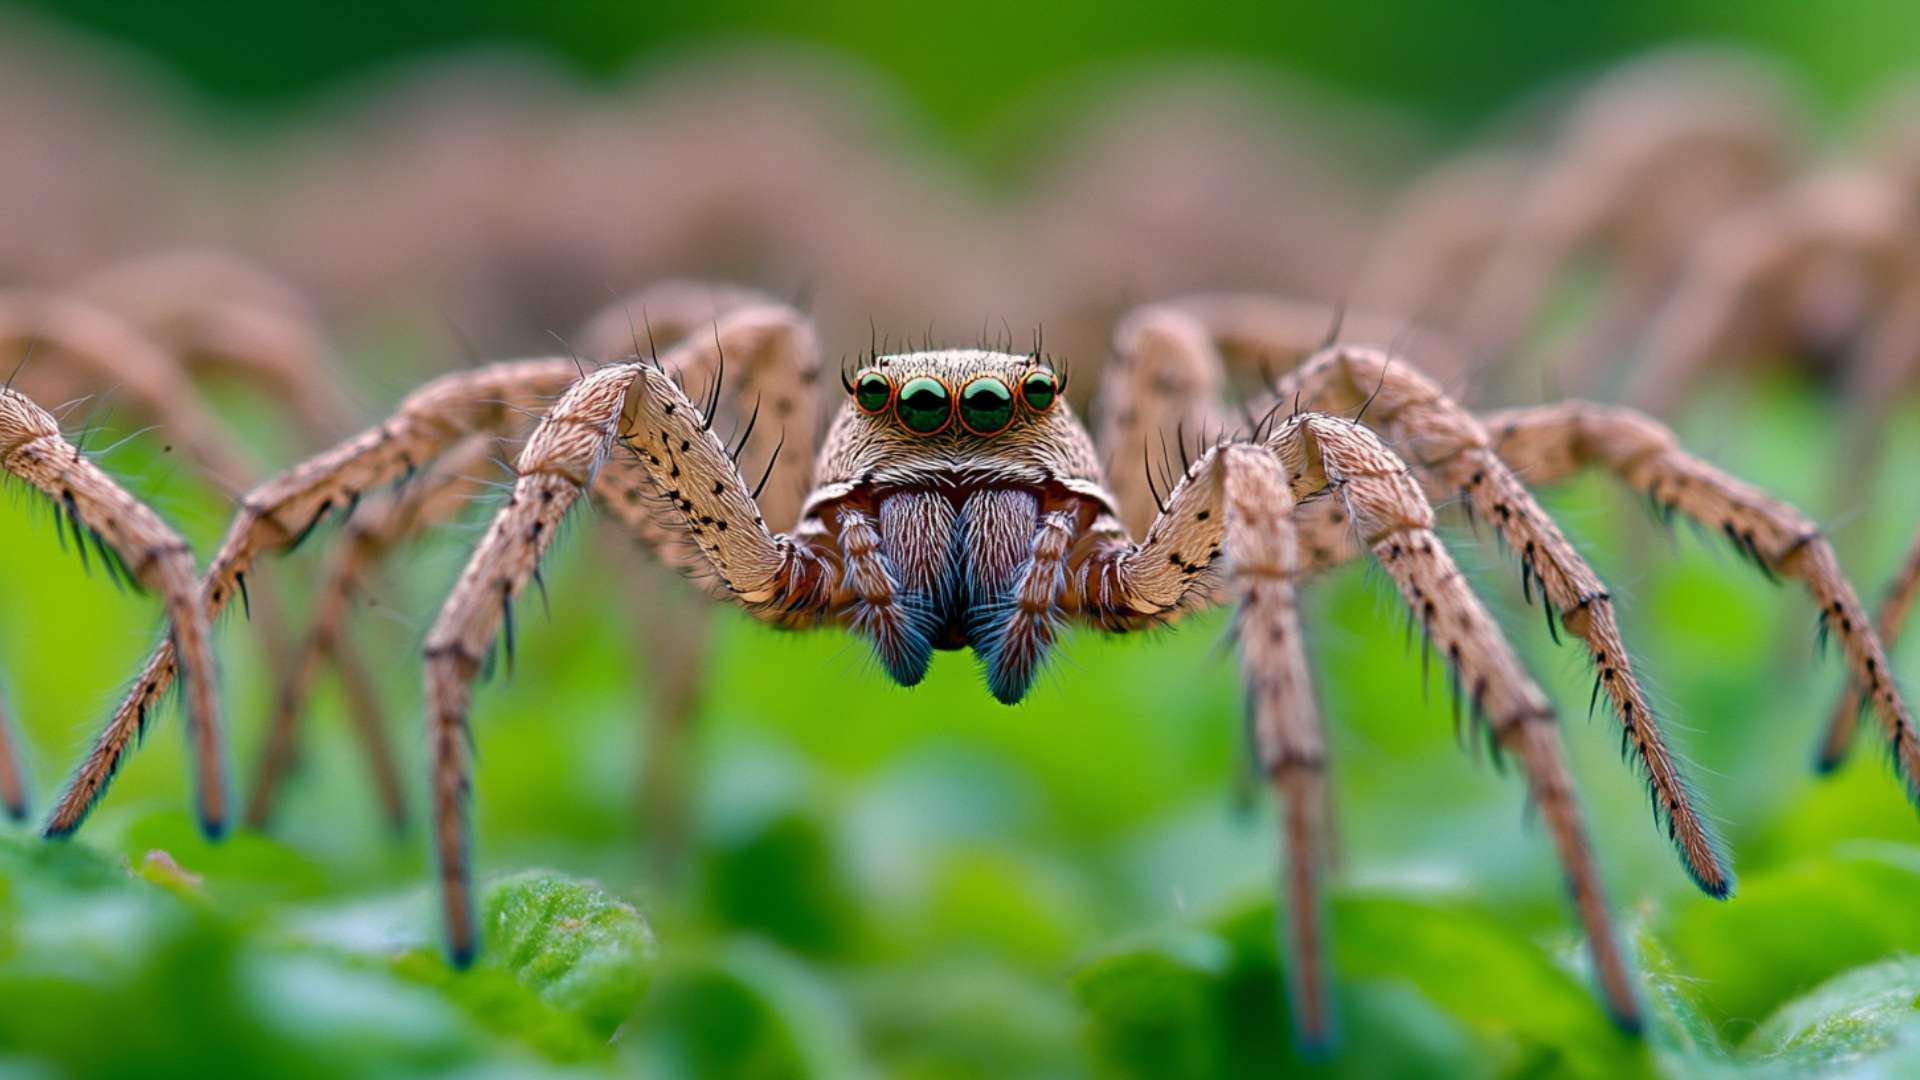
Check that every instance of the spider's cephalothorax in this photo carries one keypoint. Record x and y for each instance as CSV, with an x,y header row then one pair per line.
x,y
936,476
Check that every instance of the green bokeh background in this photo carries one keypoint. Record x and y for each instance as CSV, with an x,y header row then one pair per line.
x,y
924,883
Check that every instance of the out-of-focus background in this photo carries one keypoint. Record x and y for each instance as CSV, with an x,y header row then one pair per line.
x,y
825,875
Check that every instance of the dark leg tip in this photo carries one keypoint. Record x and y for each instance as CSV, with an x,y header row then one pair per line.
x,y
909,670
1825,763
1007,678
17,810
1629,1023
461,954
1008,691
1316,1046
1718,890
214,829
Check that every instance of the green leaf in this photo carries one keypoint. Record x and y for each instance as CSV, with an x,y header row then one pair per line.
x,y
1155,1007
245,867
1793,928
563,966
746,1010
1869,1014
575,946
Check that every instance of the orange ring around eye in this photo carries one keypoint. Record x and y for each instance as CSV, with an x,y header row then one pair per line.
x,y
960,406
910,388
860,383
1027,388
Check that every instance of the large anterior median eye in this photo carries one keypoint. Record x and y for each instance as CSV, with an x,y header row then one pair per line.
x,y
986,406
924,406
1039,389
872,391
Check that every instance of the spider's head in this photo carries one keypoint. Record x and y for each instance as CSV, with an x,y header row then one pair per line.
x,y
937,476
955,417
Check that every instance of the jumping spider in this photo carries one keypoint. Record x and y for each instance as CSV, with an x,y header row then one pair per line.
x,y
957,502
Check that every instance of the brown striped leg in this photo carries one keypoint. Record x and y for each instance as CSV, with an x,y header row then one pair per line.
x,y
282,512
1895,605
374,530
130,538
636,408
1552,440
13,780
1456,457
1310,453
1453,453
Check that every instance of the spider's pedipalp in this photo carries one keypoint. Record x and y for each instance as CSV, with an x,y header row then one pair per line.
x,y
1014,635
1552,440
1895,605
900,620
153,555
284,510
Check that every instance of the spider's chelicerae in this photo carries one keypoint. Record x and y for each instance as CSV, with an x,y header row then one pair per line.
x,y
957,502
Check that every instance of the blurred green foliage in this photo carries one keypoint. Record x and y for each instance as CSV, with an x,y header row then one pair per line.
x,y
966,64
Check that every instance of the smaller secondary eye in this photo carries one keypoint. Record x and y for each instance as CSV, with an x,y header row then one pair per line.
x,y
986,406
872,391
924,406
1039,389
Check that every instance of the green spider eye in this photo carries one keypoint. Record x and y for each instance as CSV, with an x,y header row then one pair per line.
x,y
872,391
924,406
1039,390
986,406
